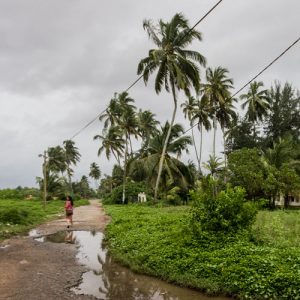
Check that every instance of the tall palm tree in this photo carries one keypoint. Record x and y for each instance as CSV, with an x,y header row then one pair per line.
x,y
257,103
56,159
129,126
201,116
177,68
95,172
72,156
112,142
188,108
147,126
213,165
226,115
215,91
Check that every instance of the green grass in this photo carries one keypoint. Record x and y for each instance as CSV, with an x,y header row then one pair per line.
x,y
279,228
159,242
19,216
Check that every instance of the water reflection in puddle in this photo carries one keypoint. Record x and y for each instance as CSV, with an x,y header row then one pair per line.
x,y
109,281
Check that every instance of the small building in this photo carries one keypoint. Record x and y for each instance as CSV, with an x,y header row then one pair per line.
x,y
142,197
288,201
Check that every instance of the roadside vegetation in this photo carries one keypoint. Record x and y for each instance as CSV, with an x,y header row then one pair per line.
x,y
19,215
255,264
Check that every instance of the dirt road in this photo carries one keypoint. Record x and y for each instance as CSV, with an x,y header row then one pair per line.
x,y
33,270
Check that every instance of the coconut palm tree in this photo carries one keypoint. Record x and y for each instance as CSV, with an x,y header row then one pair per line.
x,y
188,108
146,165
95,172
215,92
201,116
72,156
257,103
213,165
226,115
112,142
147,126
177,68
56,159
129,126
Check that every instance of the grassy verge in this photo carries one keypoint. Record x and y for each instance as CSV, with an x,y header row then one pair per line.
x,y
159,242
19,216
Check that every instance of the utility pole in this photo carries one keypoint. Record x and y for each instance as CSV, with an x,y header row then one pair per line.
x,y
45,164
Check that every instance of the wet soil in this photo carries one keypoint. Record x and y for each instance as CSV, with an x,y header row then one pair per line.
x,y
33,270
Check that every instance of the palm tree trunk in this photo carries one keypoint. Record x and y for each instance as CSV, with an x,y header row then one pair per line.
x,y
215,131
162,158
124,173
225,157
193,137
117,158
70,181
201,143
131,152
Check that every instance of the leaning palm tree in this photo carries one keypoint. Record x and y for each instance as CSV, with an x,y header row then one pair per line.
x,y
72,156
215,92
257,103
95,172
112,142
177,68
147,126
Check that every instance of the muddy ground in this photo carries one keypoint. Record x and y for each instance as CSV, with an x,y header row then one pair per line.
x,y
33,270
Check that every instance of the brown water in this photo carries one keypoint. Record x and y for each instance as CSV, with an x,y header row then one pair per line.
x,y
109,281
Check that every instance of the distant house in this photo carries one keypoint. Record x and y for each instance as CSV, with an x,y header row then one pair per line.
x,y
288,201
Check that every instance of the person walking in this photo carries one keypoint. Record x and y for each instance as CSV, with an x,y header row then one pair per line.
x,y
69,211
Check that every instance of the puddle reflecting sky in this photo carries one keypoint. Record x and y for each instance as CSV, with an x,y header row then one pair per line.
x,y
108,280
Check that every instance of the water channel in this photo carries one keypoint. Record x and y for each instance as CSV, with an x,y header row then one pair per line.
x,y
108,280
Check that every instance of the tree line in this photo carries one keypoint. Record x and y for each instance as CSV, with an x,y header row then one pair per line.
x,y
266,135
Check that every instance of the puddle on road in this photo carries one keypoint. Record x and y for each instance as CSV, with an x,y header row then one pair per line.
x,y
109,281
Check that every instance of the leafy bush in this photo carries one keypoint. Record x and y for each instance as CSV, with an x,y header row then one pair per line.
x,y
227,212
14,215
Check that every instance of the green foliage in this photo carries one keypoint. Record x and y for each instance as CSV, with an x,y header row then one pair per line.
x,y
247,170
131,191
18,193
159,242
227,212
14,215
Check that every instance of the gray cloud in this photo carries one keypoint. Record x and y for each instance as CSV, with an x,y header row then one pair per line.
x,y
61,61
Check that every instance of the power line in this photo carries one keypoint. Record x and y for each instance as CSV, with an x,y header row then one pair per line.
x,y
267,67
139,78
87,125
258,74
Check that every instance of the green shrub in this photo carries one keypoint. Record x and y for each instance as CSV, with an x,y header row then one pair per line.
x,y
14,215
227,212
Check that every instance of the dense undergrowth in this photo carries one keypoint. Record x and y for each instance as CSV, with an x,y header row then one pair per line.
x,y
256,265
18,216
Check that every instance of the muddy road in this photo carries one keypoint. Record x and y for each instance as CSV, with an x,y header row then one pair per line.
x,y
33,270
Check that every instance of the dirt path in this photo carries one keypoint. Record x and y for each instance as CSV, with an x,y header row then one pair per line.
x,y
33,270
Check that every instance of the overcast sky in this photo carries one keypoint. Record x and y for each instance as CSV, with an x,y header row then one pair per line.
x,y
61,61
